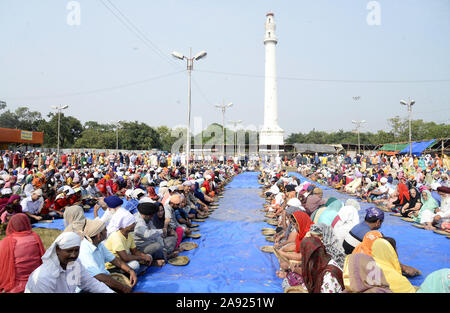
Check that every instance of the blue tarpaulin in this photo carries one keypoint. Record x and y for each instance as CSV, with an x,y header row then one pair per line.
x,y
418,147
228,258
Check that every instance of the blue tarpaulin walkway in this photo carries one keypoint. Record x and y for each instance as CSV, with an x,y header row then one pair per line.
x,y
229,259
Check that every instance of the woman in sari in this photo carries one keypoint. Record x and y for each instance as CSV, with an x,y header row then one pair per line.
x,y
319,271
20,254
413,205
291,252
14,201
386,258
403,197
426,213
362,275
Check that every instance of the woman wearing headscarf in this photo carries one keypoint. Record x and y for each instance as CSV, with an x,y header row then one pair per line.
x,y
436,282
74,219
314,201
61,271
326,234
413,204
20,254
329,214
121,243
291,252
321,274
362,275
403,197
426,213
14,201
386,258
365,246
346,219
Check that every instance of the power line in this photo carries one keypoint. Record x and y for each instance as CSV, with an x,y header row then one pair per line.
x,y
124,20
99,89
327,80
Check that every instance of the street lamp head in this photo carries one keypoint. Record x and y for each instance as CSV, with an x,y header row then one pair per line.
x,y
64,107
178,55
200,55
54,107
403,102
354,122
229,105
363,121
412,102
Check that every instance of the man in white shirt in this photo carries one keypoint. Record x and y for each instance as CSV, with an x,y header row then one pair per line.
x,y
61,271
32,206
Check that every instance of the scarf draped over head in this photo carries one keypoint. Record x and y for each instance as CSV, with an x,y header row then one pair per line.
x,y
427,205
366,245
18,226
403,192
151,193
303,223
413,200
315,264
93,228
65,240
386,258
17,208
74,219
362,275
121,219
330,242
436,282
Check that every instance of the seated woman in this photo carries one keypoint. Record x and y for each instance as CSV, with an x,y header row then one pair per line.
x,y
436,282
359,273
403,197
346,219
328,215
326,234
412,205
288,234
20,254
386,258
14,202
121,243
291,252
319,272
169,235
427,211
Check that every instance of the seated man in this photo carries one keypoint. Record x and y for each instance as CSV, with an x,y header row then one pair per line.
x,y
174,202
61,271
121,243
380,193
94,255
32,206
148,238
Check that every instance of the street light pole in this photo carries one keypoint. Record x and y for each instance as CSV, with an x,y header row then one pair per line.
x,y
190,66
409,104
59,109
117,125
358,125
235,123
223,107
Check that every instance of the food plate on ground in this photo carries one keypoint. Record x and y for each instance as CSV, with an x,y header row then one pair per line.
x,y
272,222
121,278
195,236
268,249
198,220
407,219
267,228
269,232
188,245
441,232
179,260
269,215
270,238
195,229
396,214
296,289
418,226
194,225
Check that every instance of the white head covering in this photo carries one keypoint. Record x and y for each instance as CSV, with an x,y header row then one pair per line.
x,y
65,240
121,219
295,203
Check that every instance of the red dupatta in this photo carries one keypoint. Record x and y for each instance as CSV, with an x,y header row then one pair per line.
x,y
304,222
403,192
19,225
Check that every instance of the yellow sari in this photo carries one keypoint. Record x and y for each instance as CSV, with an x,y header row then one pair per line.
x,y
386,258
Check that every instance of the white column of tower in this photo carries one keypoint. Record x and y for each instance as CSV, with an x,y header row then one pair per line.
x,y
271,133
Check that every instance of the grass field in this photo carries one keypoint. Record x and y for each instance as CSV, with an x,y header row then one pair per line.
x,y
47,235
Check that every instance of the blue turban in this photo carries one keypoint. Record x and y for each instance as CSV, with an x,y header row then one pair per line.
x,y
113,201
374,212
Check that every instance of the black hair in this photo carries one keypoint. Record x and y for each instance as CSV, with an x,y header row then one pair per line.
x,y
372,219
392,242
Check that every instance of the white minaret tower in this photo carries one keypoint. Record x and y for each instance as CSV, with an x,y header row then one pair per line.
x,y
271,134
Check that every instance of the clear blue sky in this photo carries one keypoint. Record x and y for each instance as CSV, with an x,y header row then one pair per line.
x,y
44,61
